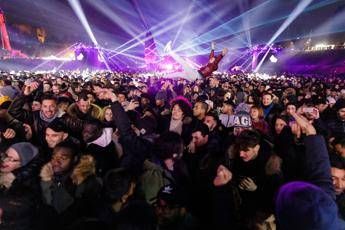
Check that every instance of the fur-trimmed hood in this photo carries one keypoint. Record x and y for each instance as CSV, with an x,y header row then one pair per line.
x,y
86,167
95,111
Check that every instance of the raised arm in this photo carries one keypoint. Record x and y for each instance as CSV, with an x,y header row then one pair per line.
x,y
317,168
135,148
16,109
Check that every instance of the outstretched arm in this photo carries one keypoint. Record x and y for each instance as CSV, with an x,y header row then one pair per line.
x,y
213,47
317,166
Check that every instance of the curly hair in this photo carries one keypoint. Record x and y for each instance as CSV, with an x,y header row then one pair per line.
x,y
184,105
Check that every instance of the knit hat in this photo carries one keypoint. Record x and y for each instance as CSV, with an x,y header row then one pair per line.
x,y
301,205
26,152
242,119
5,102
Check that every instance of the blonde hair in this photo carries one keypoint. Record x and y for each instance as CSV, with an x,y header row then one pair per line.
x,y
102,118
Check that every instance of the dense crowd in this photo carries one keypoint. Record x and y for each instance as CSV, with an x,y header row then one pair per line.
x,y
105,150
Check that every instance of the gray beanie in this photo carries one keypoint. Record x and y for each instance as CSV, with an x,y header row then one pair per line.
x,y
26,152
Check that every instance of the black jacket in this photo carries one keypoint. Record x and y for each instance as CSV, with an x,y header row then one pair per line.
x,y
66,202
20,202
74,124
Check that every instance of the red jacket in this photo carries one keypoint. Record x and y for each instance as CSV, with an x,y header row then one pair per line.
x,y
208,69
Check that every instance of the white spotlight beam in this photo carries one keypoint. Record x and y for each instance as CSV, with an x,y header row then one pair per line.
x,y
75,4
124,54
218,32
183,22
245,21
294,14
129,28
166,21
169,27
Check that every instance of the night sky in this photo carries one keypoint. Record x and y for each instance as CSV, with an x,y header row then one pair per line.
x,y
324,20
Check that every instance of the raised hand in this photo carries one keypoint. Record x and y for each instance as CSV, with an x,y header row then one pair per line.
x,y
9,134
47,172
213,45
107,94
304,124
30,88
191,147
132,105
223,176
225,51
28,131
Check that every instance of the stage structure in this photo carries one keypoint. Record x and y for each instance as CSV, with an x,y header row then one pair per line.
x,y
5,40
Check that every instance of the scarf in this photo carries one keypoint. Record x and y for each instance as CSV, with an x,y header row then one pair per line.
x,y
47,119
176,126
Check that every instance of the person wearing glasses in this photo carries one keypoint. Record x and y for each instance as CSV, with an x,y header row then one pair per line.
x,y
18,196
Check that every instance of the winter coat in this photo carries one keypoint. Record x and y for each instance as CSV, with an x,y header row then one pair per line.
x,y
67,202
104,152
266,177
336,127
94,112
273,110
136,149
154,177
187,127
290,153
37,124
20,201
262,126
32,118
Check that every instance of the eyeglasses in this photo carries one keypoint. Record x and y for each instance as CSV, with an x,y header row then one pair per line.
x,y
5,158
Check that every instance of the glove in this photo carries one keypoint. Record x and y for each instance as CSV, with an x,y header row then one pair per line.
x,y
248,185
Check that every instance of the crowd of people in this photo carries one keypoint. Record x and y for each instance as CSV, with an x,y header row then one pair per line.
x,y
140,151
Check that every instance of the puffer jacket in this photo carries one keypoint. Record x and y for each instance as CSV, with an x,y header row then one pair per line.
x,y
94,112
20,201
67,202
